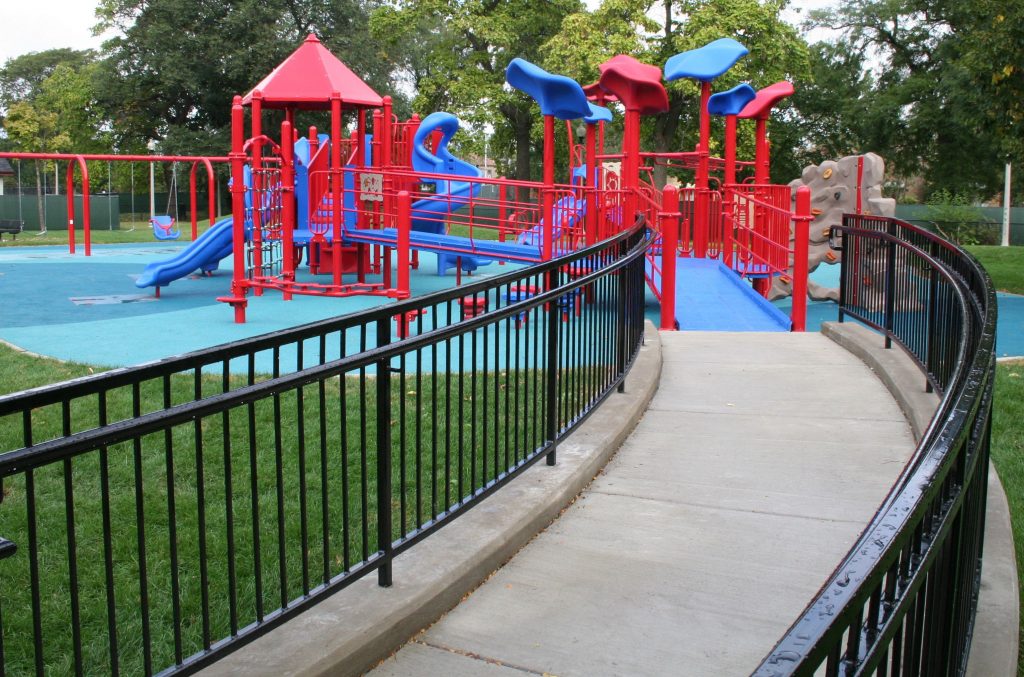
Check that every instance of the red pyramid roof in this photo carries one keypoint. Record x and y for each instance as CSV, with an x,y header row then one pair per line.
x,y
308,77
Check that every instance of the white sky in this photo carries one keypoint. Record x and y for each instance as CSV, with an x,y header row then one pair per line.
x,y
30,27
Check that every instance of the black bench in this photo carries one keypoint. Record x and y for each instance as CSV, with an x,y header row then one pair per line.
x,y
12,226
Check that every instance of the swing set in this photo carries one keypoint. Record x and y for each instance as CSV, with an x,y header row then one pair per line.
x,y
166,229
164,224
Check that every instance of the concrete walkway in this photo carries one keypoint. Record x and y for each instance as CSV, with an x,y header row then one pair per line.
x,y
758,463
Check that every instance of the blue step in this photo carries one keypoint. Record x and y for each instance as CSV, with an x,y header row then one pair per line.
x,y
710,297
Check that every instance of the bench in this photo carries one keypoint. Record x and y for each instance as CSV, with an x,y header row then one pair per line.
x,y
12,226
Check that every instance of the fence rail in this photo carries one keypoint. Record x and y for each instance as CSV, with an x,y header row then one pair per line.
x,y
159,517
903,600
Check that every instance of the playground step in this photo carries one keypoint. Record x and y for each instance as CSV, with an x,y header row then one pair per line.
x,y
710,297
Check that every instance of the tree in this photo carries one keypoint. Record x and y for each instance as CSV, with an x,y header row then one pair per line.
x,y
461,65
50,104
22,76
175,65
948,82
628,26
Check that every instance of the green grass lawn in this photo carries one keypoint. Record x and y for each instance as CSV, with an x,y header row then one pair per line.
x,y
1008,456
1004,264
463,417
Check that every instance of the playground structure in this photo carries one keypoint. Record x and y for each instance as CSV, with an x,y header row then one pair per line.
x,y
359,208
356,207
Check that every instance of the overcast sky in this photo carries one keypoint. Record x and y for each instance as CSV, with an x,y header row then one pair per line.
x,y
68,23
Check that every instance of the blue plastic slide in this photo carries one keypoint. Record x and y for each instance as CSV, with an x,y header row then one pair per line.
x,y
429,215
205,253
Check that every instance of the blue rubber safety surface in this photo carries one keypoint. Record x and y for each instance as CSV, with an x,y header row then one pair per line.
x,y
1009,330
89,310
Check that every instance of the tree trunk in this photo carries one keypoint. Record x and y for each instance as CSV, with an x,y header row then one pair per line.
x,y
40,197
665,127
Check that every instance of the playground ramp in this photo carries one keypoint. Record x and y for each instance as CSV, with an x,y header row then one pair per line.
x,y
710,297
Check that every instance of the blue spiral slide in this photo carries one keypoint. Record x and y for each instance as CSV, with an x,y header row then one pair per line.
x,y
429,215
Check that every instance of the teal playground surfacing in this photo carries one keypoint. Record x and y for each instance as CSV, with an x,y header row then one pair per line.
x,y
87,309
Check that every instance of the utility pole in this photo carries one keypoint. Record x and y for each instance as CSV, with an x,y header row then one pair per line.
x,y
1006,207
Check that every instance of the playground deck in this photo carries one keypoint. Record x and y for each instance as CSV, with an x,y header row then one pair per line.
x,y
717,521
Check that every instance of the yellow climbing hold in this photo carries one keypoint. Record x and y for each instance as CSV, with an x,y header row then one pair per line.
x,y
827,174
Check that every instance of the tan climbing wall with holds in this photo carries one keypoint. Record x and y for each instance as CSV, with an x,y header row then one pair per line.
x,y
834,187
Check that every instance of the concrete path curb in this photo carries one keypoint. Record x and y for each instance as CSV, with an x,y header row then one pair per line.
x,y
350,632
995,644
893,368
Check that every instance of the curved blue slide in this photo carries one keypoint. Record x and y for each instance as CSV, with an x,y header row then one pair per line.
x,y
428,215
205,253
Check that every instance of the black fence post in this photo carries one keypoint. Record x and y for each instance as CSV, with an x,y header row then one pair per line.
x,y
384,540
933,302
551,378
890,286
844,266
620,321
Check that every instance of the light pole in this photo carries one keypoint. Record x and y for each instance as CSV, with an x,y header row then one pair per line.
x,y
1006,206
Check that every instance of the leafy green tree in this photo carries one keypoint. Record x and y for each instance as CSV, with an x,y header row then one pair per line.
x,y
50,106
946,100
22,76
174,65
629,26
459,63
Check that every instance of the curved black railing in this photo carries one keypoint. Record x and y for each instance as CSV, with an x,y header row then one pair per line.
x,y
158,517
903,600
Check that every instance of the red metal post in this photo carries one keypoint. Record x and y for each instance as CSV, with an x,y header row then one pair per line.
x,y
502,212
761,153
256,127
192,201
386,160
211,195
337,204
801,226
70,195
702,216
237,298
86,230
860,183
287,205
728,203
669,245
549,188
591,185
361,164
404,228
730,149
630,171
211,191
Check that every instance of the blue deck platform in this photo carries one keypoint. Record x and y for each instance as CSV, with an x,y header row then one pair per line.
x,y
710,297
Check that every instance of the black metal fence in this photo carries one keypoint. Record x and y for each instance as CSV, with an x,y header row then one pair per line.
x,y
903,600
157,517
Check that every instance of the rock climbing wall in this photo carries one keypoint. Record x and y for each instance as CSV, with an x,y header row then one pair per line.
x,y
834,187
